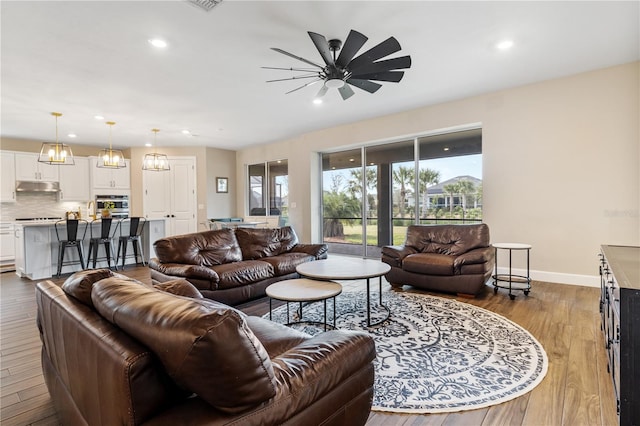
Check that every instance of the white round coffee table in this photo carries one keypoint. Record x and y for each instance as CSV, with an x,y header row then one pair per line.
x,y
304,290
349,268
516,281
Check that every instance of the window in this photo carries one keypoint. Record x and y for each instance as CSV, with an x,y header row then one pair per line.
x,y
269,186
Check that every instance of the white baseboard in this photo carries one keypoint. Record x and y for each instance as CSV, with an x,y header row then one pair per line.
x,y
556,277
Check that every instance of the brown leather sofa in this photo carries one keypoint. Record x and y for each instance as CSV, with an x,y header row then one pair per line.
x,y
446,258
232,266
118,352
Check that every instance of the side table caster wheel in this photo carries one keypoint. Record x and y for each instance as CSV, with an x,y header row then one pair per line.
x,y
495,290
526,292
512,296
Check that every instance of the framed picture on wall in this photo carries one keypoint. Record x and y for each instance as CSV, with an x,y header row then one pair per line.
x,y
222,184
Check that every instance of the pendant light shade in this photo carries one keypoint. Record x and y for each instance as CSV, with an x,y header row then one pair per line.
x,y
155,162
111,158
56,153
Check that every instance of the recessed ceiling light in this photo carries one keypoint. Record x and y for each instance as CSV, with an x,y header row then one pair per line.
x,y
317,101
72,135
148,144
186,132
446,148
352,159
504,45
98,117
159,43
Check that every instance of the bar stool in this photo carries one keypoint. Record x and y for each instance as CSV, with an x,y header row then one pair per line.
x,y
73,226
105,238
136,228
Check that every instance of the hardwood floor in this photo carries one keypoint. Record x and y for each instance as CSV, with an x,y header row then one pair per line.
x,y
565,319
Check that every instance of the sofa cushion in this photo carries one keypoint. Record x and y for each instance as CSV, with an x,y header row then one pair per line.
x,y
206,248
286,263
452,240
180,287
80,283
240,273
257,243
206,347
429,263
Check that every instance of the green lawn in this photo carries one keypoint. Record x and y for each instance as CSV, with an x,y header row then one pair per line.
x,y
353,234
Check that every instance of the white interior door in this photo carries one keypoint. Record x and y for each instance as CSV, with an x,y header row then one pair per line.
x,y
171,195
183,194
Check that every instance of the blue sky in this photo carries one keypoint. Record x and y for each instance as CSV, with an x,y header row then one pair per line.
x,y
448,167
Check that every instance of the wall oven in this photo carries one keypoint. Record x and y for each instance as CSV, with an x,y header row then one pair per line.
x,y
118,204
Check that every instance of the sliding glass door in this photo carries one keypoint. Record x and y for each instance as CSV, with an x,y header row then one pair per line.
x,y
377,191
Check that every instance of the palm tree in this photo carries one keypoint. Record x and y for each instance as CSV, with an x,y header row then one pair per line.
x,y
451,189
338,206
426,178
403,176
465,187
355,181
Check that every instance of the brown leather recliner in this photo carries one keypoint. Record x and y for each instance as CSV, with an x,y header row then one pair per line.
x,y
232,266
446,258
118,352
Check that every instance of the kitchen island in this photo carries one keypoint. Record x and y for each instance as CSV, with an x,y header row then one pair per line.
x,y
36,247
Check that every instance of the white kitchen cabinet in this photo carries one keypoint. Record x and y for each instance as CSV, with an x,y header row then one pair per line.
x,y
7,244
8,176
75,184
30,169
108,178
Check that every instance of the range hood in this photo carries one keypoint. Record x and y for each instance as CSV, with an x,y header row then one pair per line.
x,y
27,186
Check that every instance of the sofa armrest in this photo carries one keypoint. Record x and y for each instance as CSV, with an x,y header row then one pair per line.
x,y
184,271
319,251
393,255
475,256
321,363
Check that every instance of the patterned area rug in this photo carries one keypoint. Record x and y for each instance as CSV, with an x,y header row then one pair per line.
x,y
434,354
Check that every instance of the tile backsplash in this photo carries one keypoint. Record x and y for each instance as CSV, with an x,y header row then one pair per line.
x,y
39,204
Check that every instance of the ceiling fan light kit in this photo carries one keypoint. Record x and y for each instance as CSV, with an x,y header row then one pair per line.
x,y
346,69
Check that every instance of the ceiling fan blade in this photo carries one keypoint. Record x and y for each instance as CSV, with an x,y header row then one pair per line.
x,y
354,42
346,92
365,85
394,76
289,69
323,47
284,52
297,77
303,86
385,65
322,91
381,50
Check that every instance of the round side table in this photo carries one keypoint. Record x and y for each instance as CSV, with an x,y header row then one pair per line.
x,y
304,290
511,281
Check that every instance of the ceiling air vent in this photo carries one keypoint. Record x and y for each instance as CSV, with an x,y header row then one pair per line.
x,y
205,5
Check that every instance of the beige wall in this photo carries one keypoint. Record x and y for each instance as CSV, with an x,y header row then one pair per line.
x,y
560,165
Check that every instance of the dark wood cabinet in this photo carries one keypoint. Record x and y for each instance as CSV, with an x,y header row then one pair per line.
x,y
620,310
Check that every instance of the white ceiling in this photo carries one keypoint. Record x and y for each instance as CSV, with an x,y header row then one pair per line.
x,y
84,58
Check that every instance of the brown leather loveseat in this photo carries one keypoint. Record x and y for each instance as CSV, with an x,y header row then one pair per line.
x,y
118,352
447,258
232,266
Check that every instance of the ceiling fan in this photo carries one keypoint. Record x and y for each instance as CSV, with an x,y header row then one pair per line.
x,y
346,69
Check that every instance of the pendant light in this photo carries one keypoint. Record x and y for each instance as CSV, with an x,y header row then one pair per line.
x,y
111,158
155,162
56,152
